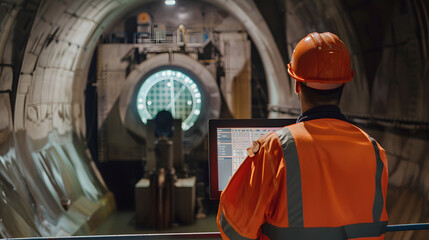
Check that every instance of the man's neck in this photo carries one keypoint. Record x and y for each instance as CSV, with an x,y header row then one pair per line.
x,y
305,106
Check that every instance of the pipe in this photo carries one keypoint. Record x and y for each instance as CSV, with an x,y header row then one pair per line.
x,y
408,227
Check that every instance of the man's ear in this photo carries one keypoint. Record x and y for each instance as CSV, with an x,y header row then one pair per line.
x,y
297,87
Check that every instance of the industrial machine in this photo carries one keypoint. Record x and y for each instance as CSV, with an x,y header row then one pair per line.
x,y
163,198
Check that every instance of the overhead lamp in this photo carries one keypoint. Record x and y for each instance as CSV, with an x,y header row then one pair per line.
x,y
170,2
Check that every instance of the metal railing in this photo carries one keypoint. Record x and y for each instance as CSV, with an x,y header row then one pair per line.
x,y
192,38
164,236
204,235
407,227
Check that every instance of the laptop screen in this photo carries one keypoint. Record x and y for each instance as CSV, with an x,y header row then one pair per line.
x,y
228,143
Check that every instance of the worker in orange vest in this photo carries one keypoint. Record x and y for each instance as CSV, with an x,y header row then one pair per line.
x,y
321,178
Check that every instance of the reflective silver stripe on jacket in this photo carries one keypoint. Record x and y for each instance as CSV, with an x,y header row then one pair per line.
x,y
377,208
229,230
297,230
293,175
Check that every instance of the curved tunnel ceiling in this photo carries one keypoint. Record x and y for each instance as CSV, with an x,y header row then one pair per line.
x,y
70,55
65,34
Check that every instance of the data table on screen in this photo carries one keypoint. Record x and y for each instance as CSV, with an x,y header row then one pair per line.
x,y
232,149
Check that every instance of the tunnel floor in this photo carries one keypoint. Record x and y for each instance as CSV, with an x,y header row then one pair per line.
x,y
123,222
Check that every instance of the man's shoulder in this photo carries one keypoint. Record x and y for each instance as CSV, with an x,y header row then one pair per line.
x,y
267,142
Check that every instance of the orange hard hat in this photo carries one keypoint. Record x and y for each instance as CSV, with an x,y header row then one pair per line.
x,y
321,58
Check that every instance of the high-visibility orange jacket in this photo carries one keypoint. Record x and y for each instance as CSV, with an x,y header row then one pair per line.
x,y
319,179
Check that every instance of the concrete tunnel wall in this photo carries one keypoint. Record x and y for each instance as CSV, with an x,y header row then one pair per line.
x,y
50,184
45,162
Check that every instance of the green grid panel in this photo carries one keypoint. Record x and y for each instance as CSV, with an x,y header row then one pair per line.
x,y
173,91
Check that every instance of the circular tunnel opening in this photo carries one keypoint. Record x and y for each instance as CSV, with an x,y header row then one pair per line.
x,y
171,90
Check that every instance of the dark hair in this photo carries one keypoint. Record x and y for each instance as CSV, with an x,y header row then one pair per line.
x,y
317,97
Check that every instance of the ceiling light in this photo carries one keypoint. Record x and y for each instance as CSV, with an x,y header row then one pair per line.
x,y
170,2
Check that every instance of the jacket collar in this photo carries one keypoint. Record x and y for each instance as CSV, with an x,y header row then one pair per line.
x,y
322,111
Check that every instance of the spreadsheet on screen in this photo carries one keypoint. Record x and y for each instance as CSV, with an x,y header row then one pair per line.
x,y
232,144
